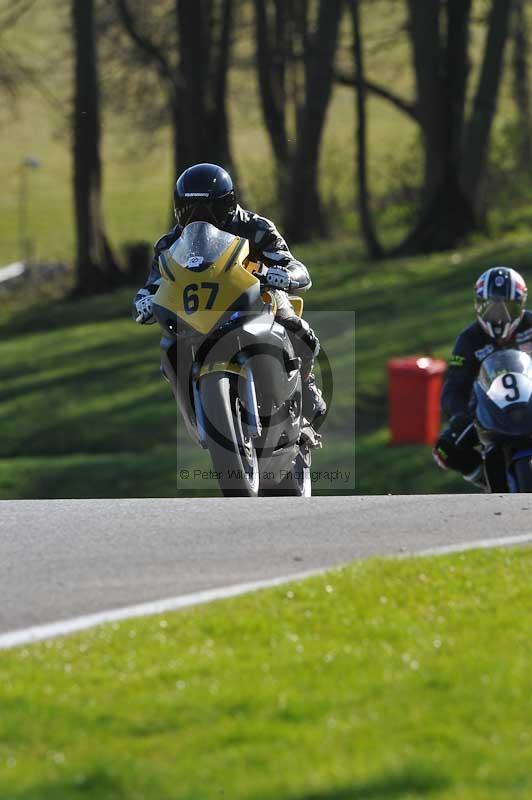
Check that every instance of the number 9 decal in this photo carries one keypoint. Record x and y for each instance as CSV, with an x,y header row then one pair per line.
x,y
509,381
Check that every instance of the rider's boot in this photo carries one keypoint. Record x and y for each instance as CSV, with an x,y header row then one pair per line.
x,y
314,406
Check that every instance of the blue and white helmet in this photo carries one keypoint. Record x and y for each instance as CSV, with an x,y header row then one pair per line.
x,y
500,298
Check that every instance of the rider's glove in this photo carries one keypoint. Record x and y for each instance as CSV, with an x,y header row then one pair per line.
x,y
144,306
278,277
460,429
440,455
455,444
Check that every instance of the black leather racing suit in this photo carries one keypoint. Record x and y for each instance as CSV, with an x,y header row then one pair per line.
x,y
268,246
471,348
457,443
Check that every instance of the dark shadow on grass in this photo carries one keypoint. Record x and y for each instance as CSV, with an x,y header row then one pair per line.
x,y
410,782
86,372
46,316
96,783
129,426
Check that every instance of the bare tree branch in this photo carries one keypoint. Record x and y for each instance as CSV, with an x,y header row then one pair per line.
x,y
11,66
148,47
8,76
403,105
16,11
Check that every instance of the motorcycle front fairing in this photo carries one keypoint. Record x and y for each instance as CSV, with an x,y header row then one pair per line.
x,y
503,394
203,279
502,423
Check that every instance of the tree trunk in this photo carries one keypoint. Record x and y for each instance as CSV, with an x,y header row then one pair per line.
x,y
440,37
218,119
304,217
196,80
205,42
96,268
364,206
271,61
484,105
521,84
177,138
427,54
194,52
457,74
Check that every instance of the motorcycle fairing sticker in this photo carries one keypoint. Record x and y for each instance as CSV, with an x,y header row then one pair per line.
x,y
456,360
484,352
523,336
511,387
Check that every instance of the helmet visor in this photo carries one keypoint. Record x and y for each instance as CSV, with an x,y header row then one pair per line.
x,y
499,311
201,209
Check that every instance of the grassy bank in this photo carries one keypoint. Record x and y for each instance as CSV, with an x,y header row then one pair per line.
x,y
387,679
84,412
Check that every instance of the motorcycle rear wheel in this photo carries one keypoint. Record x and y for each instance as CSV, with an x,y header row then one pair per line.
x,y
233,454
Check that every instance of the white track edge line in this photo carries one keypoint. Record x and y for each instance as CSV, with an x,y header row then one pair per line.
x,y
481,544
39,633
51,630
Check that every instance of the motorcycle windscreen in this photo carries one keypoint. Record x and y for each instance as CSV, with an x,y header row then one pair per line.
x,y
200,245
203,277
504,391
501,362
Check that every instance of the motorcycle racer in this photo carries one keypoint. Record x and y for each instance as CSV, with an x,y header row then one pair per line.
x,y
502,322
205,193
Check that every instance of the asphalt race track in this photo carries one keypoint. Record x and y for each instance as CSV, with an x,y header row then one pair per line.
x,y
65,558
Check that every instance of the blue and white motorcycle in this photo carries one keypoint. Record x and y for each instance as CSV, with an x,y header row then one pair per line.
x,y
503,418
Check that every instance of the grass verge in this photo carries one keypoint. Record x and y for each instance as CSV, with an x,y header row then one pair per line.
x,y
386,679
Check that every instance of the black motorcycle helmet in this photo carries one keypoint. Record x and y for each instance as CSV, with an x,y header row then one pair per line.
x,y
204,193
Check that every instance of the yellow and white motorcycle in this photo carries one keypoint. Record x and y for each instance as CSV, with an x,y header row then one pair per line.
x,y
232,367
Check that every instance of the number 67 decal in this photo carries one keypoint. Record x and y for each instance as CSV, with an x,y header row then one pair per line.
x,y
191,299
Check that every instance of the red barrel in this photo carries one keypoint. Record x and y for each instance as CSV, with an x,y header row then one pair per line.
x,y
415,384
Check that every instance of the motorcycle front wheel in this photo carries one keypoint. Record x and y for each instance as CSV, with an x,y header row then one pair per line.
x,y
522,470
233,453
296,483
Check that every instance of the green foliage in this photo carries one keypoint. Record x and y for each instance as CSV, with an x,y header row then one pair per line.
x,y
386,679
508,178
